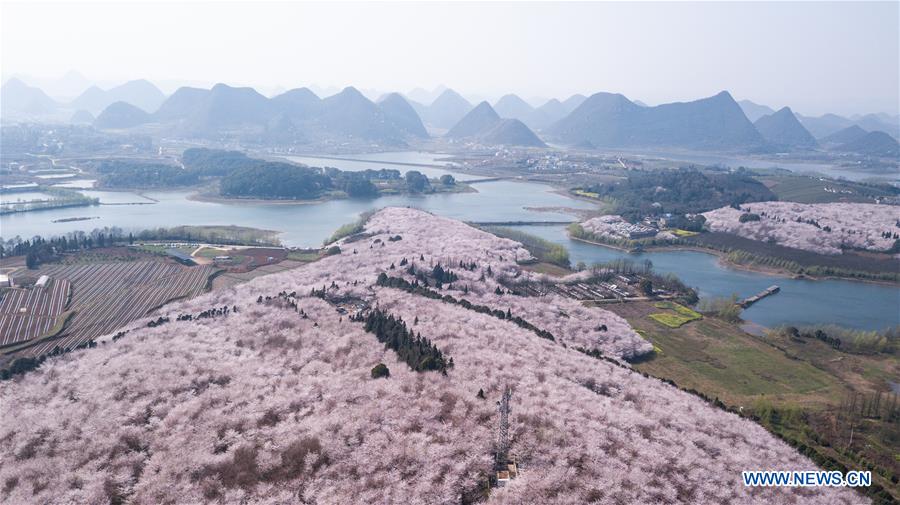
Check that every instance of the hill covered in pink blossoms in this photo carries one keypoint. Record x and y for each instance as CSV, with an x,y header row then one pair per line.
x,y
275,402
824,228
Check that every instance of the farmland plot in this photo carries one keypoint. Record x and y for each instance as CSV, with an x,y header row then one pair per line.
x,y
106,296
29,313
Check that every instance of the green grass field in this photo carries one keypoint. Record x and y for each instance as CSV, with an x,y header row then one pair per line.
x,y
796,388
679,308
586,194
715,357
682,315
670,320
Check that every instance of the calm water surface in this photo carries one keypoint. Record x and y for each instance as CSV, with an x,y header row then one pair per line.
x,y
299,224
853,304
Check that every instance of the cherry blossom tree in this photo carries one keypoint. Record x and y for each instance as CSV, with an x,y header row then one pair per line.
x,y
825,228
275,402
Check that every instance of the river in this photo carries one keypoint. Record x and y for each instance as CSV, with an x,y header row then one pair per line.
x,y
801,301
300,224
852,304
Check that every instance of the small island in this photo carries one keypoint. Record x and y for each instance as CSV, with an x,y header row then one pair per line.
x,y
73,219
232,175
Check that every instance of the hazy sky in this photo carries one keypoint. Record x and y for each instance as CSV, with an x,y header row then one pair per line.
x,y
816,57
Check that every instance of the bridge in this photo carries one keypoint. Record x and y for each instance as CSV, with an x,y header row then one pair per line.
x,y
519,223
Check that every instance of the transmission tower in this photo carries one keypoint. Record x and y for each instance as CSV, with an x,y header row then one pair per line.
x,y
503,432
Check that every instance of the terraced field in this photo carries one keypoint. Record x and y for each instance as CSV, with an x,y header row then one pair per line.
x,y
107,296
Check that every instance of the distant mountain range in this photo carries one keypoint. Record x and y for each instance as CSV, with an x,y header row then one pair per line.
x,y
449,107
482,124
875,143
351,114
611,120
446,110
297,113
603,120
827,124
222,108
573,102
782,130
537,118
63,88
422,96
140,93
298,102
513,107
477,121
23,101
511,132
121,115
848,134
880,122
854,139
754,111
399,112
18,98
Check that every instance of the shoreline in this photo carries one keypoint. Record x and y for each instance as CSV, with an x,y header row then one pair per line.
x,y
55,207
206,197
199,196
562,191
722,257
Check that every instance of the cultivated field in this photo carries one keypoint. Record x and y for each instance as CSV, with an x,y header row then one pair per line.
x,y
107,296
30,313
674,315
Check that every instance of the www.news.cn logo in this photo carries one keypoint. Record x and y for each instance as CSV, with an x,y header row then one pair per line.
x,y
806,478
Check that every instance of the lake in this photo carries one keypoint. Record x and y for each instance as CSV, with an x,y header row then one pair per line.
x,y
852,304
800,301
301,224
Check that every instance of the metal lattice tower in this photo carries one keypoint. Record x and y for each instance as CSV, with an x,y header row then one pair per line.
x,y
503,433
